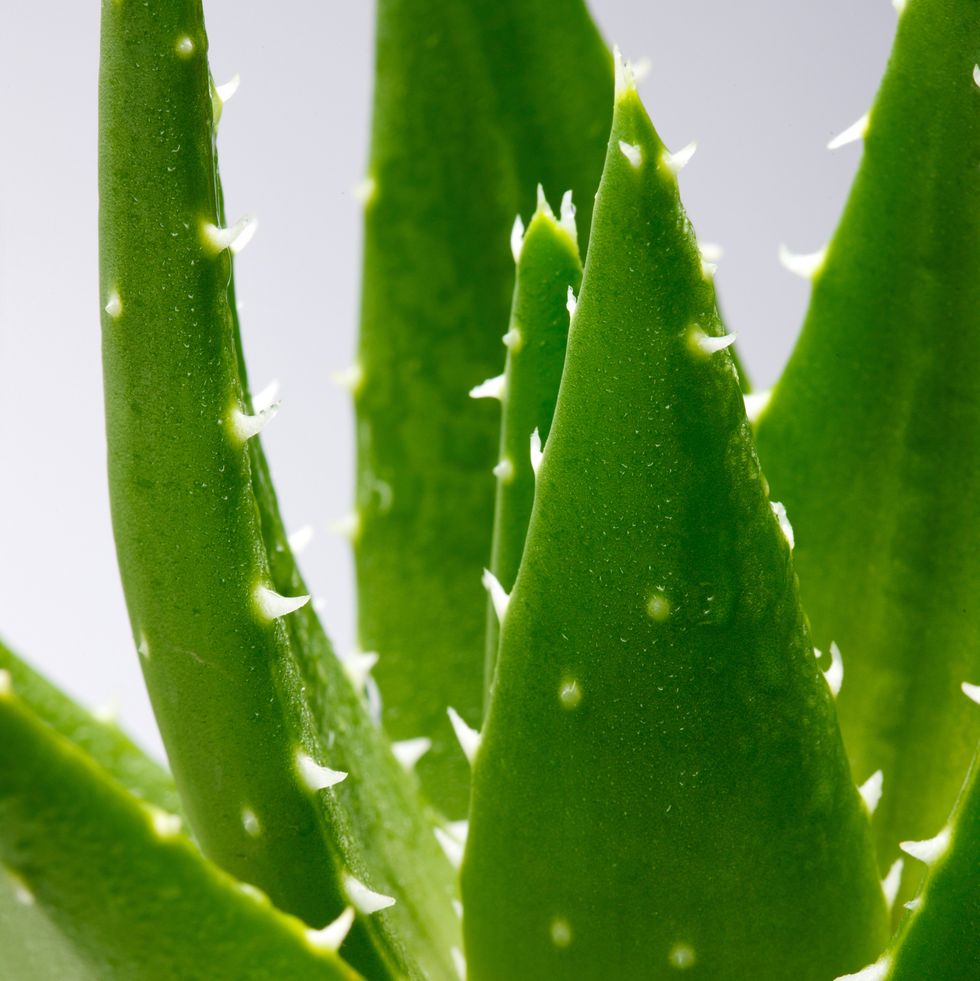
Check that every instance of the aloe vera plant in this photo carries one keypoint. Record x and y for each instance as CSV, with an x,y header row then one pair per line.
x,y
607,743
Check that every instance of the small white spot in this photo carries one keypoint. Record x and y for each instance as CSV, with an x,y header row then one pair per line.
x,y
107,712
164,825
226,91
976,75
113,305
143,646
571,303
570,694
632,152
873,972
319,604
492,388
676,162
708,269
334,933
365,900
805,265
870,790
779,510
899,6
459,962
498,595
971,691
658,607
537,453
253,893
855,132
272,605
625,80
365,191
567,219
267,398
235,238
561,932
892,881
457,908
756,403
835,673
913,904
348,526
250,822
6,685
350,379
517,238
930,850
409,751
707,343
504,470
22,892
244,426
452,848
513,340
300,539
682,956
711,251
358,665
185,46
314,776
469,739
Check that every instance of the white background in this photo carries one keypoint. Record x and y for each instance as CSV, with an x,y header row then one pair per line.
x,y
761,85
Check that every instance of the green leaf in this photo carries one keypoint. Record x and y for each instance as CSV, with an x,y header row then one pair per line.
x,y
872,437
549,273
131,896
661,783
475,103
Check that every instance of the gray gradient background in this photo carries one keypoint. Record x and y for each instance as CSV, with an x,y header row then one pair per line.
x,y
761,85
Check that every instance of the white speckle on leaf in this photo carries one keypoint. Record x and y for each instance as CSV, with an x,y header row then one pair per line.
x,y
682,956
570,694
632,152
113,305
250,822
658,607
185,46
561,932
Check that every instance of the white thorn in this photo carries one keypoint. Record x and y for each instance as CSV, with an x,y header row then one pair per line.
x,y
300,539
107,713
971,691
272,605
349,379
267,399
756,403
537,453
571,303
459,962
317,777
893,881
708,269
542,202
517,238
873,972
625,79
711,251
899,6
185,46
492,388
244,426
805,265
348,526
459,829
870,790
226,91
319,604
253,893
855,132
498,595
450,846
409,751
632,152
334,933
835,673
709,344
365,900
143,646
779,510
930,850
164,825
469,739
236,237
22,893
504,470
567,219
358,665
913,904
6,685
364,191
676,162
641,69
513,339
113,305
457,908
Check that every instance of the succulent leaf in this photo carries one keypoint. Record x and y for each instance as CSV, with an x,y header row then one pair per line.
x,y
660,771
872,436
475,104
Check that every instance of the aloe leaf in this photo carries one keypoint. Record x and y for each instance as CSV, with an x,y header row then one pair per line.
x,y
131,896
103,742
872,436
549,273
286,780
475,103
660,783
